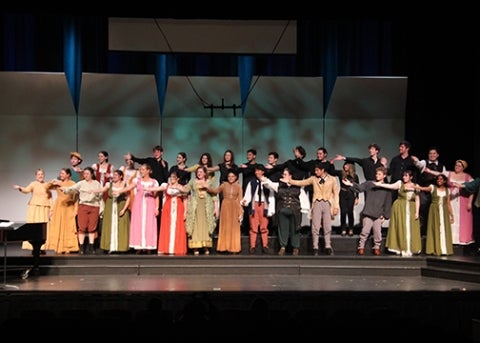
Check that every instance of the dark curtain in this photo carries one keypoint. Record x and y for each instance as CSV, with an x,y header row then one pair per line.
x,y
441,61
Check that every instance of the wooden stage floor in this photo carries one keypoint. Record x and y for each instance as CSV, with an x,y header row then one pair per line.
x,y
273,278
300,292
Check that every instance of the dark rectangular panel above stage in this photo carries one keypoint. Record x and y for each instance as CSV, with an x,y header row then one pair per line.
x,y
203,36
114,95
368,97
36,94
285,97
202,96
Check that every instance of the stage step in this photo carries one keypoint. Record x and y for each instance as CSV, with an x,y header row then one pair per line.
x,y
461,269
342,245
344,261
225,265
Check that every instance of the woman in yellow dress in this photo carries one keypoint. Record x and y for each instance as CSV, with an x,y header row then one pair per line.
x,y
40,203
62,234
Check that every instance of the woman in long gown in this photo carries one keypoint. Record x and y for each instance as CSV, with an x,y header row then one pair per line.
x,y
40,203
62,231
462,203
173,235
201,212
116,216
231,214
440,217
403,235
145,209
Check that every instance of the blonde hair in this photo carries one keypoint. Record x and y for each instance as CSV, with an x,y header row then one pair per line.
x,y
463,163
351,172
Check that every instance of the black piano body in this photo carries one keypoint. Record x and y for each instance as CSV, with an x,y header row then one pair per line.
x,y
35,233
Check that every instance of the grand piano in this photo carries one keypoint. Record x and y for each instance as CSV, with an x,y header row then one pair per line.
x,y
35,233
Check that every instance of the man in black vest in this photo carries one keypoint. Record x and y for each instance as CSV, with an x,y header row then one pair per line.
x,y
426,179
260,206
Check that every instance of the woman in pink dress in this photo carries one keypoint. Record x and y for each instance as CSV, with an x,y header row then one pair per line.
x,y
145,209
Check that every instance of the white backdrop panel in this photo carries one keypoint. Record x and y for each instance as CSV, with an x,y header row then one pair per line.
x,y
188,96
195,136
114,95
29,93
285,97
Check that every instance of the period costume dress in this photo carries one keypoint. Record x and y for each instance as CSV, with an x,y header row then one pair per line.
x,y
403,235
439,230
62,230
173,234
231,211
39,205
201,221
115,228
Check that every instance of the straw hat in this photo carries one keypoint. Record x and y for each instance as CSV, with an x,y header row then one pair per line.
x,y
76,154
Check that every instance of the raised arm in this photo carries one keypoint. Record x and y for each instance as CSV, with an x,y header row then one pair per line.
x,y
270,184
394,186
432,172
423,189
213,190
103,189
213,168
161,188
192,169
126,189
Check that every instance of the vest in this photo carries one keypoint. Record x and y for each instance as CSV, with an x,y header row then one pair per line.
x,y
429,179
266,192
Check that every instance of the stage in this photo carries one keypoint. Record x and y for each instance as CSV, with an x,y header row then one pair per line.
x,y
347,291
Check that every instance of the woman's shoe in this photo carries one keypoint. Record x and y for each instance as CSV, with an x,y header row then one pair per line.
x,y
344,233
350,232
281,252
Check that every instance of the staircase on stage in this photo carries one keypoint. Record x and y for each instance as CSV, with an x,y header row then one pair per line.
x,y
463,265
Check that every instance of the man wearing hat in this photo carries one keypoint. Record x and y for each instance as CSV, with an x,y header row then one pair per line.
x,y
75,161
261,205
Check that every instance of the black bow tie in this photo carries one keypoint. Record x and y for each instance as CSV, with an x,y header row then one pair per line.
x,y
322,181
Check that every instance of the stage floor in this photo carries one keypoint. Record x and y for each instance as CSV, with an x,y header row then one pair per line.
x,y
231,296
228,282
235,283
